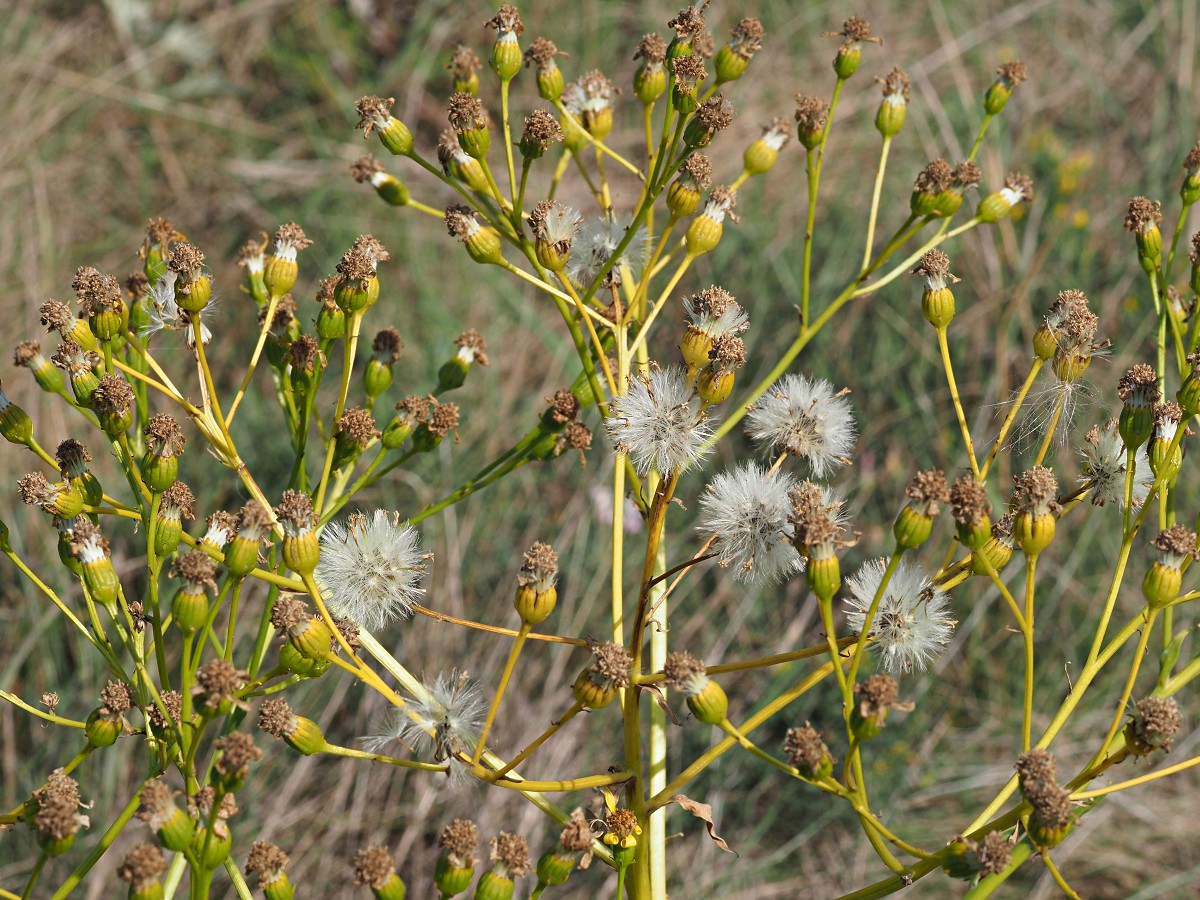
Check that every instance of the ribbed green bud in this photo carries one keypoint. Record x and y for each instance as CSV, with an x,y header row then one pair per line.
x,y
102,581
590,694
974,536
937,306
703,234
996,97
1047,835
649,84
83,385
555,867
475,142
295,662
506,57
711,705
1033,533
451,880
847,60
534,606
241,556
912,528
396,433
824,577
177,832
684,102
101,729
550,84
159,472
53,846
280,889
392,190
494,886
993,208
1164,464
393,889
218,846
352,297
279,275
190,609
995,551
1189,191
682,199
396,138
314,640
301,552
714,387
1161,584
197,297
15,423
167,534
452,374
307,739
867,727
729,65
484,246
889,120
331,323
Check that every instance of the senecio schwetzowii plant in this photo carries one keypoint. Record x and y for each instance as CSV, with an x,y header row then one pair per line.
x,y
194,664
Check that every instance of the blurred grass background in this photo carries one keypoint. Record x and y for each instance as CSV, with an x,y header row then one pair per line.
x,y
233,117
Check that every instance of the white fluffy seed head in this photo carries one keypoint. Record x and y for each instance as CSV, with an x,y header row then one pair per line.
x,y
371,568
1104,467
595,245
445,723
747,509
806,418
912,623
659,423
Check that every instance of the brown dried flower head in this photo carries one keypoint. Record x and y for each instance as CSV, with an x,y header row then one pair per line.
x,y
1144,214
459,839
510,855
896,85
365,168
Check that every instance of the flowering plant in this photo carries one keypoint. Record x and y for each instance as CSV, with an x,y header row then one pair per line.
x,y
191,666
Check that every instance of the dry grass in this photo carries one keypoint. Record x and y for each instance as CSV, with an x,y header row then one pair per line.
x,y
233,120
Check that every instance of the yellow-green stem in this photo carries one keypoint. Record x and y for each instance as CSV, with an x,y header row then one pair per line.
x,y
505,676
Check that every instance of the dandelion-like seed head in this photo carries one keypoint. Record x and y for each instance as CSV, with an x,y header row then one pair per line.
x,y
1104,467
597,243
747,509
912,622
659,423
371,568
806,418
446,721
